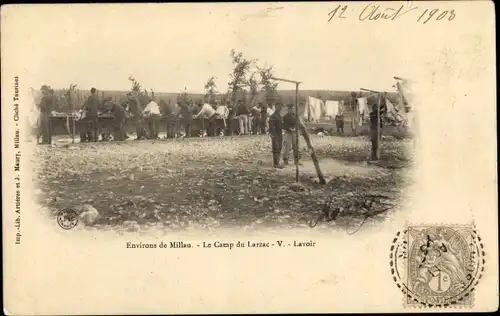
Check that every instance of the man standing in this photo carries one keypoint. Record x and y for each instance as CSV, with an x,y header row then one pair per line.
x,y
339,122
106,109
290,127
231,118
92,106
263,119
168,112
187,117
356,113
151,114
136,111
242,113
46,107
118,119
276,133
256,114
207,115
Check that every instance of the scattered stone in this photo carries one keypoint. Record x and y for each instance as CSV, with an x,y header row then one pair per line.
x,y
131,226
87,214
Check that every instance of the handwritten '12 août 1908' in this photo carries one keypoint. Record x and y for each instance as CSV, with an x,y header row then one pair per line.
x,y
373,12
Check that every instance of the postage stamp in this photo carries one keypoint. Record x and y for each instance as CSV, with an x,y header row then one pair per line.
x,y
437,266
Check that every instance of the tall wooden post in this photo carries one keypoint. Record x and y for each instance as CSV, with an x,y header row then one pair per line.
x,y
297,130
301,125
321,177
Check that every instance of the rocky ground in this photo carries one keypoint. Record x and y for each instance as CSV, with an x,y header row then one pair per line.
x,y
216,182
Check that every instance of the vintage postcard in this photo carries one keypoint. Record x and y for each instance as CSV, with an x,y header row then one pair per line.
x,y
279,157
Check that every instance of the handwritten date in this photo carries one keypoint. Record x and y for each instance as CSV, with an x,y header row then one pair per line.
x,y
373,12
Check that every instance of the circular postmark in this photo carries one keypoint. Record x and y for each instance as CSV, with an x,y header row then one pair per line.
x,y
67,218
437,266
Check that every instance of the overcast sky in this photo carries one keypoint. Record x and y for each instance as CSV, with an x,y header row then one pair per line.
x,y
171,46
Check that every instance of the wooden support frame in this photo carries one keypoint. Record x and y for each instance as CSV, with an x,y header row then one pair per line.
x,y
301,126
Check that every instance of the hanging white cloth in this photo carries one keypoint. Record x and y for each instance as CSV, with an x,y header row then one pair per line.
x,y
331,109
151,109
362,105
206,112
270,110
81,114
222,111
390,106
363,110
314,107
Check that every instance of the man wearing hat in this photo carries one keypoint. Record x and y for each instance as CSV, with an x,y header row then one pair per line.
x,y
264,119
256,118
136,111
276,133
168,111
92,106
242,113
119,117
187,116
231,118
290,127
46,106
374,137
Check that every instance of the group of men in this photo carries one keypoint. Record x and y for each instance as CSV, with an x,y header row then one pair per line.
x,y
283,141
143,118
236,117
255,120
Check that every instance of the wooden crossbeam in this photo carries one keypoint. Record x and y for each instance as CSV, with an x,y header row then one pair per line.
x,y
285,80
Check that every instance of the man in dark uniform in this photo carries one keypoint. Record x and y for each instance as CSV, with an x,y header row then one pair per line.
x,y
374,137
118,121
276,133
231,119
263,118
355,120
339,122
46,107
242,114
167,111
92,106
187,117
290,139
119,116
125,106
105,109
256,114
136,111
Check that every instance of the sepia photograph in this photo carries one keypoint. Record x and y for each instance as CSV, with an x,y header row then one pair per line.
x,y
266,137
230,135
